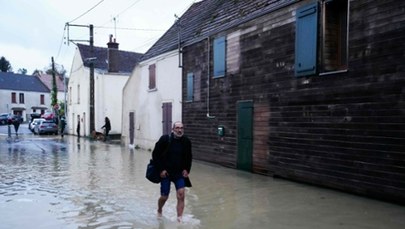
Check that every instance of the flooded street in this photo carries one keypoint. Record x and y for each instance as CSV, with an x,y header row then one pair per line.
x,y
47,182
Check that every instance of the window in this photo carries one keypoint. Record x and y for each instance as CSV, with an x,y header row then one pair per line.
x,y
152,77
22,98
42,99
219,57
334,35
13,97
190,87
70,95
78,94
167,118
321,50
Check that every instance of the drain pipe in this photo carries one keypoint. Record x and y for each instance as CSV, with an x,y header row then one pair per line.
x,y
208,79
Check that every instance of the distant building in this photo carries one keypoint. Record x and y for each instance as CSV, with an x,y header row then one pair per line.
x,y
112,68
47,80
23,95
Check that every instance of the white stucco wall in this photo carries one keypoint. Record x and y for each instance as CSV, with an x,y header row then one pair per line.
x,y
147,104
78,100
107,98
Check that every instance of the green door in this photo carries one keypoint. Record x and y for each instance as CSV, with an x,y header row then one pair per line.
x,y
245,135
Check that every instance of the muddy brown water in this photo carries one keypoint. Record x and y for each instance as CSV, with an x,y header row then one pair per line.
x,y
47,182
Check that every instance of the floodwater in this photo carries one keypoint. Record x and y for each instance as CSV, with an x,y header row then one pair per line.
x,y
47,182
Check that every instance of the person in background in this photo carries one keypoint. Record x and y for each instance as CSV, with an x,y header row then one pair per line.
x,y
106,127
173,157
78,128
16,121
62,126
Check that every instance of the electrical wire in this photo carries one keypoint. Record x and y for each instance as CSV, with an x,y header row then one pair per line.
x,y
126,28
61,43
87,11
127,8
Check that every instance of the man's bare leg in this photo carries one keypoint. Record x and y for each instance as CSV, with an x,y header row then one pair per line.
x,y
180,203
161,202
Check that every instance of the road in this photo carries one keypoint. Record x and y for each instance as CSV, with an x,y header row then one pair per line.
x,y
51,182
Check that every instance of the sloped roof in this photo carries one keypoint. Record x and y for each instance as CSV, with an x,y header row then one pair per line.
x,y
208,17
47,80
127,60
19,82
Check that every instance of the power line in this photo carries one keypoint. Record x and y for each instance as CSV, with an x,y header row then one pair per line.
x,y
126,28
87,11
127,8
60,45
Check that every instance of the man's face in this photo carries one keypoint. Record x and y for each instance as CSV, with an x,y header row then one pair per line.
x,y
178,130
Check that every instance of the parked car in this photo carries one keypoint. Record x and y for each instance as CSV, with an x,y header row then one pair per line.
x,y
6,118
3,118
34,122
48,115
33,116
15,118
46,127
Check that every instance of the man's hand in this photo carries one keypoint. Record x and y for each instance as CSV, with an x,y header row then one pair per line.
x,y
164,174
185,173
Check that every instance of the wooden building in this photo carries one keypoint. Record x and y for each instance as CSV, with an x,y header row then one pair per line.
x,y
312,91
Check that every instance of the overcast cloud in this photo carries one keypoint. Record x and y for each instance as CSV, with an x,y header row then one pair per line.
x,y
33,31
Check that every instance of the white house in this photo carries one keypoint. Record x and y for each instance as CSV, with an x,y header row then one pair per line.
x,y
112,68
153,94
152,100
23,95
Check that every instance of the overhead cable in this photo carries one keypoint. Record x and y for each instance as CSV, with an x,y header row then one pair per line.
x,y
87,11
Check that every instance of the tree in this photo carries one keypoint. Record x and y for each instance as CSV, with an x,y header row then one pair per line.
x,y
57,68
5,65
54,94
22,71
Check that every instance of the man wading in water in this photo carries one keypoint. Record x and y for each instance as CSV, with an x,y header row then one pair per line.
x,y
172,156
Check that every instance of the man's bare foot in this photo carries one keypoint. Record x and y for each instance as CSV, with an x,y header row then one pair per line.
x,y
159,214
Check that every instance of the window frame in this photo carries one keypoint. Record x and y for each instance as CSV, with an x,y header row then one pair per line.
x,y
152,77
13,97
343,46
312,31
42,99
190,87
219,60
21,98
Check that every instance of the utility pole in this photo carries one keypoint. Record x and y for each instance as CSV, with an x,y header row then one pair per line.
x,y
91,59
54,99
92,124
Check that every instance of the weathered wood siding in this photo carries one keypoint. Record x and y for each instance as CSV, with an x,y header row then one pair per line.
x,y
343,130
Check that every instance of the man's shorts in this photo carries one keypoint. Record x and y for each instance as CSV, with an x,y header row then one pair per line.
x,y
166,182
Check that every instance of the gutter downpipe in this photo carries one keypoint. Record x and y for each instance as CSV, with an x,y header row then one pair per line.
x,y
208,80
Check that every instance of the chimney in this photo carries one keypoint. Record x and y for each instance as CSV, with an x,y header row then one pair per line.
x,y
112,55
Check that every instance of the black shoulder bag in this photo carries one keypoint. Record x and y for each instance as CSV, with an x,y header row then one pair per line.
x,y
152,174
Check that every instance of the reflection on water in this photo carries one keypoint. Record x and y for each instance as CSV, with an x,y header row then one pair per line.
x,y
76,183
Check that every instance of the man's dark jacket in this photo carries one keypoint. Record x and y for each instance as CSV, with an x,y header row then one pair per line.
x,y
159,154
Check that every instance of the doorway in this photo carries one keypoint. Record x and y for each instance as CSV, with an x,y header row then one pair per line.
x,y
245,135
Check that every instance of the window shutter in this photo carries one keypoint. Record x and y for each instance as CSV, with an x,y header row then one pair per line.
x,y
190,86
166,118
219,57
152,76
306,40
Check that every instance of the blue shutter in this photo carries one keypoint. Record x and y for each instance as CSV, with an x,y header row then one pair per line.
x,y
190,86
306,40
219,57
